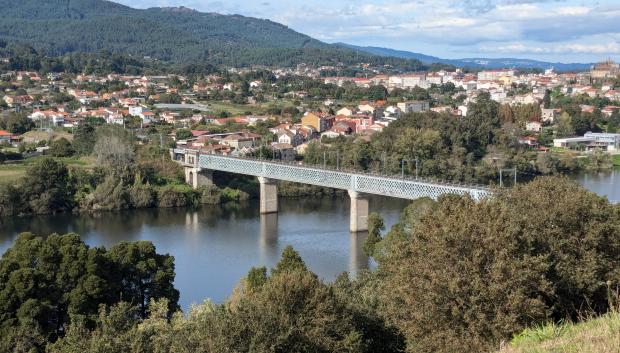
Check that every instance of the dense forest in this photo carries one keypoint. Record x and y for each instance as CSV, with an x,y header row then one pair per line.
x,y
169,34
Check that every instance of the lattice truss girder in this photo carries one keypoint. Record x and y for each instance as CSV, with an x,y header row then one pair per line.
x,y
363,183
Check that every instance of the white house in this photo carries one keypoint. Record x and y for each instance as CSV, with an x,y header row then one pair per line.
x,y
533,126
414,106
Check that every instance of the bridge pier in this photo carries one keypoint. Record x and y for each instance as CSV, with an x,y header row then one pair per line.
x,y
197,177
359,212
268,195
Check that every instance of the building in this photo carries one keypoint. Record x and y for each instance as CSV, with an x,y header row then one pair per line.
x,y
605,70
414,106
533,126
550,115
283,151
5,136
318,121
591,141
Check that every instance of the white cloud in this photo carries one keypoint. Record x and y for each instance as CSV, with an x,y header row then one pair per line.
x,y
447,25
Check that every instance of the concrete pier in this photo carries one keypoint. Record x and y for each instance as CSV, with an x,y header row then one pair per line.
x,y
268,195
197,177
359,212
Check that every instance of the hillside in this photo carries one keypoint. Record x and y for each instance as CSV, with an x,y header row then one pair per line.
x,y
480,63
601,335
169,34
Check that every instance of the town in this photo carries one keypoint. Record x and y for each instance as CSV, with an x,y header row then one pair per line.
x,y
284,110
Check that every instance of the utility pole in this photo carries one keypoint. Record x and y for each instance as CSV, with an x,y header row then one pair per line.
x,y
501,176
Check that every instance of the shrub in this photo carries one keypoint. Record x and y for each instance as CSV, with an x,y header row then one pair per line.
x,y
108,196
61,148
172,197
210,195
142,196
229,194
470,274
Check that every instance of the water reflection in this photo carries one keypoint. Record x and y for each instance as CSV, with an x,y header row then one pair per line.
x,y
358,260
216,245
268,241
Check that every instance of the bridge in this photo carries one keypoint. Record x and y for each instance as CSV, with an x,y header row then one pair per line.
x,y
199,169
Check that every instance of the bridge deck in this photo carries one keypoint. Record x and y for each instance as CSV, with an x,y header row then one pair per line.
x,y
404,188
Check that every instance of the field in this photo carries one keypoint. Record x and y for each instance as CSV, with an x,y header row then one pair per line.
x,y
599,335
12,171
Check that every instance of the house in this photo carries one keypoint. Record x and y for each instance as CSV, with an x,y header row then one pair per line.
x,y
283,151
413,106
5,136
346,111
237,141
533,126
319,121
550,115
529,141
292,138
591,141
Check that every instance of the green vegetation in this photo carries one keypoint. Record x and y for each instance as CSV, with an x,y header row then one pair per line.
x,y
175,35
453,275
616,160
466,275
596,335
45,284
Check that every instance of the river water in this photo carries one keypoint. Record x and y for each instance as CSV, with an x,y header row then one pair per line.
x,y
215,246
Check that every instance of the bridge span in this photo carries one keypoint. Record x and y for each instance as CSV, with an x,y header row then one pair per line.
x,y
199,169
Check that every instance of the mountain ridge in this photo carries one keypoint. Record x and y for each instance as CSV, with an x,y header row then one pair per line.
x,y
479,63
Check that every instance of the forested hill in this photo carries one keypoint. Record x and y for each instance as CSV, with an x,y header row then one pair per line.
x,y
170,34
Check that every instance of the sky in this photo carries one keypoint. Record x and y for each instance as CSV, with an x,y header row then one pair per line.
x,y
550,30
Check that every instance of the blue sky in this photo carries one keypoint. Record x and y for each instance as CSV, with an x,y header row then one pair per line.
x,y
556,30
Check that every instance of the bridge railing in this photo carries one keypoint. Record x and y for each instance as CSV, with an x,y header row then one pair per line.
x,y
363,181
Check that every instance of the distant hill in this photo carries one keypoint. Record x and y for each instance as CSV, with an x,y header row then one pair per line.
x,y
169,34
484,63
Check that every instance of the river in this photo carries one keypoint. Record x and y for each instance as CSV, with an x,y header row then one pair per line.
x,y
215,246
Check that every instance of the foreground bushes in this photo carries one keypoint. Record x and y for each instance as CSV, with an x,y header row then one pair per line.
x,y
46,284
465,275
290,310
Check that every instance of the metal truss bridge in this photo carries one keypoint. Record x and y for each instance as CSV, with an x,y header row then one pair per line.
x,y
359,182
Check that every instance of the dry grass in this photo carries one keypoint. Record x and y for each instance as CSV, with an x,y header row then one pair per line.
x,y
598,335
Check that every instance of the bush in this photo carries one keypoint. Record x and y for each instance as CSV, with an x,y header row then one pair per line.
x,y
229,194
61,148
172,197
108,196
470,274
210,195
142,196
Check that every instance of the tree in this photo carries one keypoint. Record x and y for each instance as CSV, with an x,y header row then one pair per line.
x,y
470,274
143,275
113,149
375,226
479,124
290,261
84,139
564,127
46,187
61,148
49,284
547,99
17,123
183,134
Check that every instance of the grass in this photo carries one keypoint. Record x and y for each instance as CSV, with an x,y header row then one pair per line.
x,y
616,160
598,335
13,170
234,109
